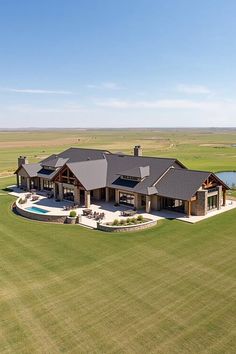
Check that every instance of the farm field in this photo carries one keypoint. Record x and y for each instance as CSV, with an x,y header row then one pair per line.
x,y
169,290
197,148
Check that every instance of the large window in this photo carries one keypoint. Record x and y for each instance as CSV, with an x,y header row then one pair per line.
x,y
212,202
68,194
126,199
47,185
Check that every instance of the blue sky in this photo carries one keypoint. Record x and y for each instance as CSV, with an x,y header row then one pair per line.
x,y
117,63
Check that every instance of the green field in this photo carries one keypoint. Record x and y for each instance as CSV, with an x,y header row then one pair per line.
x,y
197,148
168,290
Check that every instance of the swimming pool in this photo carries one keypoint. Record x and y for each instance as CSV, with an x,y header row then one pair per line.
x,y
37,210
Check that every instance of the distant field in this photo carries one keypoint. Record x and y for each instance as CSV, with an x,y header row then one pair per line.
x,y
200,149
67,289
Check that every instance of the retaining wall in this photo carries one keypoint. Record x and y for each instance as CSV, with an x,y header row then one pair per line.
x,y
126,228
40,217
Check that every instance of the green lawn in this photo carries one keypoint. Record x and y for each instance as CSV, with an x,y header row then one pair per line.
x,y
67,289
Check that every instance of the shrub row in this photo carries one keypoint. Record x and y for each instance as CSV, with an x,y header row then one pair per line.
x,y
128,221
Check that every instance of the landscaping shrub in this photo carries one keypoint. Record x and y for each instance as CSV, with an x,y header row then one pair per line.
x,y
22,201
122,222
115,222
73,214
140,218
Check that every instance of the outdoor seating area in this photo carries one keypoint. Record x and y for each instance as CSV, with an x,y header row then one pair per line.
x,y
32,197
102,211
93,215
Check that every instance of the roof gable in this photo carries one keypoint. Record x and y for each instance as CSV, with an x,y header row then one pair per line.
x,y
91,174
181,183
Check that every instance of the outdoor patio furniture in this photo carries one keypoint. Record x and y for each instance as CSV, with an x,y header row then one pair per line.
x,y
34,198
129,213
87,212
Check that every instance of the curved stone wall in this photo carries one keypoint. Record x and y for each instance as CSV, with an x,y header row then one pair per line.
x,y
39,217
127,228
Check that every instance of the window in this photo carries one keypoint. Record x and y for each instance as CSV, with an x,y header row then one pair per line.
x,y
68,194
131,178
212,202
126,199
47,185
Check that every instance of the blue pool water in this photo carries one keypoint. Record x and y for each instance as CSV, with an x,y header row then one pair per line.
x,y
228,177
37,210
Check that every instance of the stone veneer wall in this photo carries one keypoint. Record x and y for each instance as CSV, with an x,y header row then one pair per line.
x,y
199,206
127,228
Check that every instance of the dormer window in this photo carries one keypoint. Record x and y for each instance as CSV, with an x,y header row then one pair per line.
x,y
131,178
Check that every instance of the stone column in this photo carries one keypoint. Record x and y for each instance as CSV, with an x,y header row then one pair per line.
x,y
201,203
219,196
224,197
60,191
77,195
137,200
41,183
87,199
28,183
117,196
107,194
148,203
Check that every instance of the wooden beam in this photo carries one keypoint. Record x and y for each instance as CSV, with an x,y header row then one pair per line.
x,y
189,209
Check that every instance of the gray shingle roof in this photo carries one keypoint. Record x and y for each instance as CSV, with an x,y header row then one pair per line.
x,y
138,171
31,169
55,162
118,163
99,168
181,183
80,154
91,174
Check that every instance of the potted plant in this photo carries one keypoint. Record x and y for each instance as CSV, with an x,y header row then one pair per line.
x,y
71,219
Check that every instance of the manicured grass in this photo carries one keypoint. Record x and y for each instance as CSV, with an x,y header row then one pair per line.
x,y
67,289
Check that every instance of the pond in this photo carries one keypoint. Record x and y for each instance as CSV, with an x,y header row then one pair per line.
x,y
228,177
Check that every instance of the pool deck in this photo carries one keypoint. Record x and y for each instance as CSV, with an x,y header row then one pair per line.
x,y
111,212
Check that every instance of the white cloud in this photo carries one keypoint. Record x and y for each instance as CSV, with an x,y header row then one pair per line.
x,y
159,104
36,91
105,86
193,89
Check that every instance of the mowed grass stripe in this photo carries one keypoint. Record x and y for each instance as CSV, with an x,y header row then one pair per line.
x,y
166,290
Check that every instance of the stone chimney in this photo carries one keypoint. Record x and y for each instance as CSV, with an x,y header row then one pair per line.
x,y
138,151
22,160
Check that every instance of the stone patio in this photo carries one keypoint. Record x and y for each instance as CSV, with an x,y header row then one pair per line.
x,y
111,212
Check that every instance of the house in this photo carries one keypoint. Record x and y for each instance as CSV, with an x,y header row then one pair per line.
x,y
150,183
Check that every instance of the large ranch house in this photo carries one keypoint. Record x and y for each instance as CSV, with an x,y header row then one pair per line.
x,y
148,183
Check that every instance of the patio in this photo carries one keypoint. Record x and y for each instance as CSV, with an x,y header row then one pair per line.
x,y
110,211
